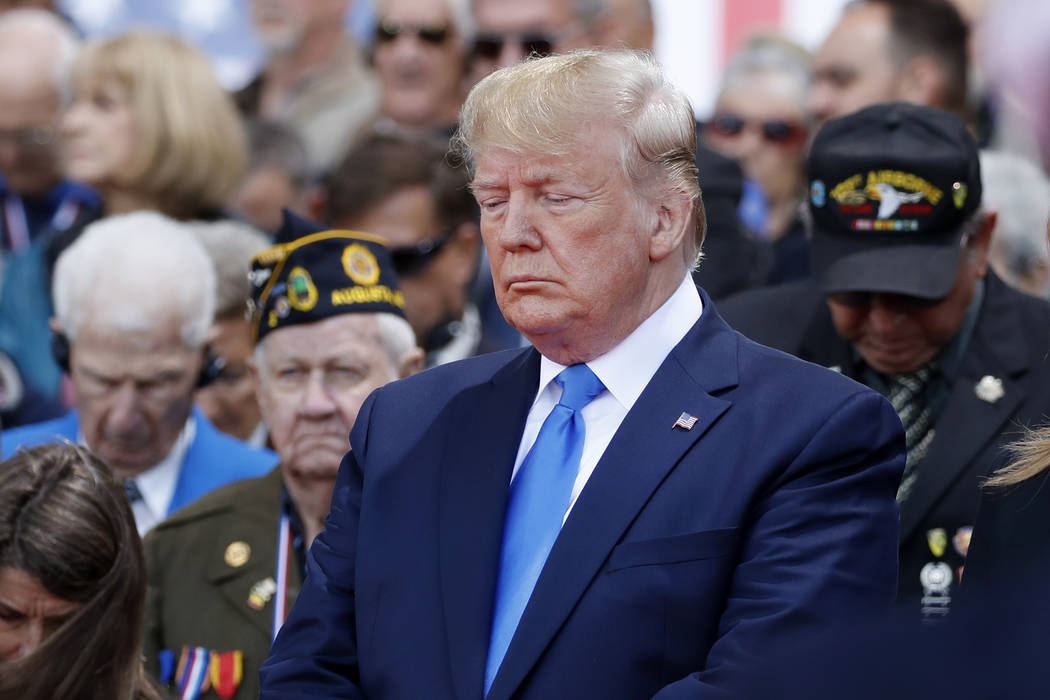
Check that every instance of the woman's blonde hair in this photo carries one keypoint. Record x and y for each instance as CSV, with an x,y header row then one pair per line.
x,y
1031,456
192,149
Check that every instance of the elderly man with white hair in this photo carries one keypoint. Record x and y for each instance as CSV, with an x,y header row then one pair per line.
x,y
330,325
134,299
644,504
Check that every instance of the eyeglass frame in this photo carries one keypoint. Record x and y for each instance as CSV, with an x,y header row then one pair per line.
x,y
421,254
795,132
387,32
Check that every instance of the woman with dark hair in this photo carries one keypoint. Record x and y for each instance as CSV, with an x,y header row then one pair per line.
x,y
72,580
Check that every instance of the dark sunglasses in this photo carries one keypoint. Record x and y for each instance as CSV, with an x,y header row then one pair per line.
x,y
533,43
387,32
778,131
412,259
864,300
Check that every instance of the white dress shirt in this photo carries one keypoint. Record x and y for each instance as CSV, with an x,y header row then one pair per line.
x,y
625,371
157,484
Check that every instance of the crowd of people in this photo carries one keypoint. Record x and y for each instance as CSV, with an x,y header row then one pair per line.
x,y
472,362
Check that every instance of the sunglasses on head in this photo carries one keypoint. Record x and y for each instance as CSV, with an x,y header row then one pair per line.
x,y
387,32
864,300
779,131
532,43
411,259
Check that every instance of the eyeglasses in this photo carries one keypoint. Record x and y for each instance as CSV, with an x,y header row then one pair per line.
x,y
490,46
387,32
864,300
29,136
777,131
412,259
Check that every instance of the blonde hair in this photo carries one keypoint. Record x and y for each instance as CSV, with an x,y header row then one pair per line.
x,y
1031,456
192,149
542,105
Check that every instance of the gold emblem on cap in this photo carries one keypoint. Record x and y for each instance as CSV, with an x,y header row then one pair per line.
x,y
238,553
360,264
959,191
302,293
989,389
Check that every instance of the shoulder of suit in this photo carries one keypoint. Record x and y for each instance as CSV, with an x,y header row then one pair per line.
x,y
450,378
42,433
773,315
241,498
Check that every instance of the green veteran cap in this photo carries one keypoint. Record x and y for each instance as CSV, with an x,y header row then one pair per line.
x,y
311,273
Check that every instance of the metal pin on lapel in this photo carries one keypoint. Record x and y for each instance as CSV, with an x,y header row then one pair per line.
x,y
989,389
685,422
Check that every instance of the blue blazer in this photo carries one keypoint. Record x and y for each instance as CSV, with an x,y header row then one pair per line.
x,y
213,459
689,558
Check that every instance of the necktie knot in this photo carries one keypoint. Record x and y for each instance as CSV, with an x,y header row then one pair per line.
x,y
579,386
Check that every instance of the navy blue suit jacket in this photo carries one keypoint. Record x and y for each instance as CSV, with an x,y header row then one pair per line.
x,y
689,557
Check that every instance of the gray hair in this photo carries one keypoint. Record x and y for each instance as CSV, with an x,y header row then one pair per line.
x,y
395,332
50,35
230,245
129,272
277,144
772,54
1020,192
538,106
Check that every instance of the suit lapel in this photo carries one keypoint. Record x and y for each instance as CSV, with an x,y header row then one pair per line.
x,y
641,454
475,478
968,423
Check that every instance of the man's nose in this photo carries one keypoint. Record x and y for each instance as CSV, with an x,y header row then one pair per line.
x,y
517,229
884,315
316,400
125,414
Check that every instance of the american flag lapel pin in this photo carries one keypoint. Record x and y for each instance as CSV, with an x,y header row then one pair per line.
x,y
685,422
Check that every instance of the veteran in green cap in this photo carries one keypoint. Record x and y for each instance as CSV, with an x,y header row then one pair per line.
x,y
329,327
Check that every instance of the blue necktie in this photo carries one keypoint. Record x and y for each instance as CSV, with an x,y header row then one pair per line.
x,y
539,497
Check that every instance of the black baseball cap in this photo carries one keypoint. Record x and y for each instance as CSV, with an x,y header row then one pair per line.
x,y
311,273
891,187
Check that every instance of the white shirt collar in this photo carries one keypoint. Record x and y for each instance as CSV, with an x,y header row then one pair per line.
x,y
157,484
627,368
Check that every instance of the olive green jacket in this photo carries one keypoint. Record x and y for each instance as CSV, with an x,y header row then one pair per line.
x,y
211,569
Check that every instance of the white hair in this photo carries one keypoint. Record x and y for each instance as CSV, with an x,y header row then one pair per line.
x,y
231,245
49,36
394,331
766,54
134,272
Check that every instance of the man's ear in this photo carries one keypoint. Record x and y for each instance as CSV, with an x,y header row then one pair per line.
x,y
920,81
671,225
981,241
410,363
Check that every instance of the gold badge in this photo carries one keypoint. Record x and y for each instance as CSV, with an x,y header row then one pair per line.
x,y
238,553
989,389
959,192
937,538
360,265
302,293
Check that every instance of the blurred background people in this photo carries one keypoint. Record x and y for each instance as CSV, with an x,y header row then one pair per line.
x,y
37,51
760,119
420,57
134,300
315,78
904,301
509,31
278,176
404,189
229,399
1019,191
885,50
72,580
326,338
150,128
627,23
